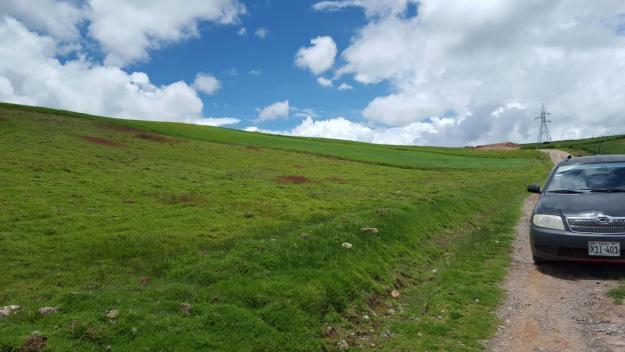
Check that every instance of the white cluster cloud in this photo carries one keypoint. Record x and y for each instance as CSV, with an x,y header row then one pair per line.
x,y
128,29
59,19
345,86
464,60
371,7
319,57
325,82
418,133
277,110
35,67
214,121
206,83
262,32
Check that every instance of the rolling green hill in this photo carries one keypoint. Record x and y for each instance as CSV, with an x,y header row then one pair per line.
x,y
599,145
259,238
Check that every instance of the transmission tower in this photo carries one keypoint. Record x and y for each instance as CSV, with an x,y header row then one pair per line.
x,y
544,135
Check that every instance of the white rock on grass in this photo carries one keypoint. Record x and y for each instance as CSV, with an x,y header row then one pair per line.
x,y
45,311
186,308
112,314
372,230
8,310
347,245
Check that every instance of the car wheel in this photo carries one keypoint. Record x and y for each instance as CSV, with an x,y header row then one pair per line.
x,y
539,261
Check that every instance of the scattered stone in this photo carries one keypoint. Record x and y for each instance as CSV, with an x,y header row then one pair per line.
x,y
395,293
477,300
34,343
305,236
391,311
372,230
144,280
186,308
342,345
434,270
112,314
8,310
347,245
45,311
386,333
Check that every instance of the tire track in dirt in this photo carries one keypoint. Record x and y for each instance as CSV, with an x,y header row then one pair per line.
x,y
557,306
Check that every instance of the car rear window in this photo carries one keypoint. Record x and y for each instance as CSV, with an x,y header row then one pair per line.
x,y
589,176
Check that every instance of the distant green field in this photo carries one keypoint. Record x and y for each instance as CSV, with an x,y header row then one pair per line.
x,y
102,214
599,145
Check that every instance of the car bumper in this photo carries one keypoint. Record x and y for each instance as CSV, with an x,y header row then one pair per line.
x,y
551,244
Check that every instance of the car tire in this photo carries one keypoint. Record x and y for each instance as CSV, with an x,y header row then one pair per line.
x,y
539,261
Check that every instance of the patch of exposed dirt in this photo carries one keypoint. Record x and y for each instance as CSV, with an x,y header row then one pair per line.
x,y
253,148
102,141
34,343
156,138
292,179
337,179
498,146
555,155
179,198
119,128
557,306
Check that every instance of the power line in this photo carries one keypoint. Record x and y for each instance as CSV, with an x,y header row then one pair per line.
x,y
543,134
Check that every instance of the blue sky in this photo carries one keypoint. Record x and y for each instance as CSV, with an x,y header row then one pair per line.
x,y
230,57
421,72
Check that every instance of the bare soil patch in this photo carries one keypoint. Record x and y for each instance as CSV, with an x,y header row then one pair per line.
x,y
179,198
102,141
292,179
156,138
253,148
499,146
557,306
34,343
337,179
119,128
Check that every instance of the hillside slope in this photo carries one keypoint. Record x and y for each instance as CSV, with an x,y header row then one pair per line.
x,y
259,234
599,145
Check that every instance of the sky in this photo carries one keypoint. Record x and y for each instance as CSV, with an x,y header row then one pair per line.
x,y
429,72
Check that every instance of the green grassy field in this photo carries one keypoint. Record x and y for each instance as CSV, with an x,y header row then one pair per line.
x,y
589,146
103,214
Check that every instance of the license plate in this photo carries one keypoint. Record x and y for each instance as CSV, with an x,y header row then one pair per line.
x,y
604,249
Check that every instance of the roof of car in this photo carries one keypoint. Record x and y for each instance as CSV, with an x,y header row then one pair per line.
x,y
595,159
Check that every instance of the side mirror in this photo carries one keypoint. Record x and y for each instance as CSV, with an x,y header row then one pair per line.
x,y
533,188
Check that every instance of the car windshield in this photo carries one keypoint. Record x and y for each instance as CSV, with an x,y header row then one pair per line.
x,y
589,177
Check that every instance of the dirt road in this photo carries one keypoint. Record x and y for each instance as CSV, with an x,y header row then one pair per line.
x,y
557,307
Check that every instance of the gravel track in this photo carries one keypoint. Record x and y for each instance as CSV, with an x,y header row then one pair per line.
x,y
560,306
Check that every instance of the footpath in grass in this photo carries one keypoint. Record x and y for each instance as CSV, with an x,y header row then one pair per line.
x,y
152,236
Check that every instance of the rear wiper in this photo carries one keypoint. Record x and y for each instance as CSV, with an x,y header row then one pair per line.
x,y
605,190
565,191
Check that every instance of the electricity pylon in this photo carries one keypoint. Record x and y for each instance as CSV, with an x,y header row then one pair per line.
x,y
544,135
